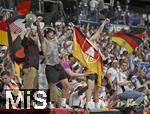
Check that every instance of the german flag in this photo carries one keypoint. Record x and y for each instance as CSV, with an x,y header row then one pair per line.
x,y
127,40
137,31
87,54
3,33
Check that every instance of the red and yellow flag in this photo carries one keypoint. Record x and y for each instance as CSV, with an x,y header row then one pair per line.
x,y
87,54
3,33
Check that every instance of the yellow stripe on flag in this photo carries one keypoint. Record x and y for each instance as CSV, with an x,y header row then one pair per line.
x,y
3,38
95,66
123,43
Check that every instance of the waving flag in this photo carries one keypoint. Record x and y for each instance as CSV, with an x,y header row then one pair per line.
x,y
126,40
14,28
9,29
87,54
3,33
9,32
138,32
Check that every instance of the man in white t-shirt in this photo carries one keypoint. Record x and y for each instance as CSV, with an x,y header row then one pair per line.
x,y
112,72
124,90
123,84
77,97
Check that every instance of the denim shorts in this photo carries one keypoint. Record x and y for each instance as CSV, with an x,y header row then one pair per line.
x,y
93,77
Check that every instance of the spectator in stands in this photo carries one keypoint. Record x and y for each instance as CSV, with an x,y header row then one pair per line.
x,y
92,78
7,63
54,71
2,99
124,88
10,85
140,81
67,67
111,75
31,46
2,56
93,10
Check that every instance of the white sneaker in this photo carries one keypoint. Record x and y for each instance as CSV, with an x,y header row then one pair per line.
x,y
50,105
68,107
97,106
89,106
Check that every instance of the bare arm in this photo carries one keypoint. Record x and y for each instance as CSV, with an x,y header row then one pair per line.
x,y
99,31
73,74
124,83
40,34
43,43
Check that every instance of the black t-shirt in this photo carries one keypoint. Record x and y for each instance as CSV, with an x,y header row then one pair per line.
x,y
31,53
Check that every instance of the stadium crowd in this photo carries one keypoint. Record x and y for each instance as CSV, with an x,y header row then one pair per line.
x,y
49,64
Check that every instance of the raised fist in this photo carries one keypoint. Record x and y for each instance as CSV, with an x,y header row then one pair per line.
x,y
107,20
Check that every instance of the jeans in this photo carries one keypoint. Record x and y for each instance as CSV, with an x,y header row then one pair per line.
x,y
137,96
